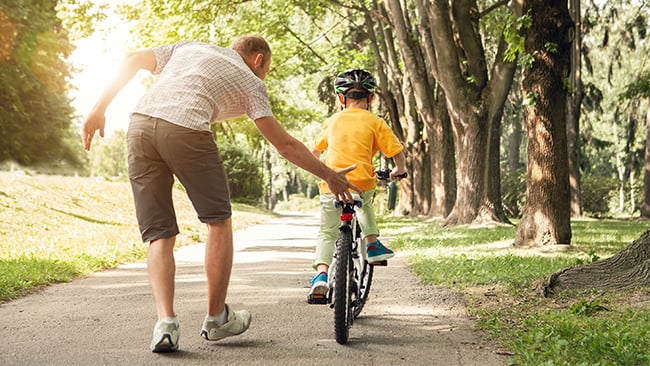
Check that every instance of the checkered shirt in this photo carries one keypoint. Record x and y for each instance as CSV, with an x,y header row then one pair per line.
x,y
200,84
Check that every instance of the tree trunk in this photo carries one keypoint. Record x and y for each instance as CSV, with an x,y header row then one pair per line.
x,y
443,161
629,268
573,111
546,217
475,106
645,204
471,151
514,144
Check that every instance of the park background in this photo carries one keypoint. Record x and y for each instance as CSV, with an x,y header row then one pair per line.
x,y
525,124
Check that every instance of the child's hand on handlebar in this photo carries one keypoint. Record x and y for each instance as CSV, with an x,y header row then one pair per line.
x,y
398,174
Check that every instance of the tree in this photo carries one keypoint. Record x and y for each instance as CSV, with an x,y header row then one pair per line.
x,y
475,98
574,101
615,52
546,216
35,114
436,83
641,88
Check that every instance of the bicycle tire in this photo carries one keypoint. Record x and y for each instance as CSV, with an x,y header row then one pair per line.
x,y
342,287
364,287
364,272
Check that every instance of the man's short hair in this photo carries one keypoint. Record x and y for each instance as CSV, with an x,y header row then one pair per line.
x,y
250,45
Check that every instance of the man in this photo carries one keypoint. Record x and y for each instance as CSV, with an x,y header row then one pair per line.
x,y
169,135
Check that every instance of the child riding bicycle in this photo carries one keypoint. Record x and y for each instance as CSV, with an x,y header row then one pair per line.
x,y
353,136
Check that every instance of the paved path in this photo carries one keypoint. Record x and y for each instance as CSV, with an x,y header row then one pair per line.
x,y
107,318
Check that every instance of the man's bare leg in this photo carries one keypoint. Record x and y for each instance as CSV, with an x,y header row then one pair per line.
x,y
161,268
218,264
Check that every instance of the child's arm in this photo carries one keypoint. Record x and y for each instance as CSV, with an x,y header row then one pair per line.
x,y
400,165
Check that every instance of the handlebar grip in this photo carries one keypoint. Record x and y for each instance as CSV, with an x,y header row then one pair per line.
x,y
384,174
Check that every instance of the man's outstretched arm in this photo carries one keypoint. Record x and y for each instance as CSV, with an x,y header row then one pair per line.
x,y
96,120
297,153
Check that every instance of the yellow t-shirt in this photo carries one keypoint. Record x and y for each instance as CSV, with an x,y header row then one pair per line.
x,y
354,136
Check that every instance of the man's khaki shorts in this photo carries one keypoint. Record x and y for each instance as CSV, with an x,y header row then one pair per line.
x,y
158,151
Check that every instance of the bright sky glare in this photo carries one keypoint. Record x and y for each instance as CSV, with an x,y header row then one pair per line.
x,y
97,59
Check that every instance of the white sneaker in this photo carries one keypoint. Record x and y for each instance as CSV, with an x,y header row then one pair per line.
x,y
238,322
165,335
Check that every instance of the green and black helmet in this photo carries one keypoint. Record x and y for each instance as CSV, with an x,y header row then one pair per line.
x,y
355,79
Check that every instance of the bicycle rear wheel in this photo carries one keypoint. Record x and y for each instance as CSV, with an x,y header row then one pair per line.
x,y
343,282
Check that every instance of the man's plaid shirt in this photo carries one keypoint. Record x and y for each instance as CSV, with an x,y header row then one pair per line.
x,y
200,84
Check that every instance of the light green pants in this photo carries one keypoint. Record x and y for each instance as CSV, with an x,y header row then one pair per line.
x,y
330,220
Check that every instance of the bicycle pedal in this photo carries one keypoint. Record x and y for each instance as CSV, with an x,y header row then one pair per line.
x,y
316,299
383,263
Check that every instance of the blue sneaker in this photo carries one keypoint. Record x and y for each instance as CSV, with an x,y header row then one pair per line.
x,y
377,252
319,285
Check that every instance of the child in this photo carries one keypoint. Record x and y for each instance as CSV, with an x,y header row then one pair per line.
x,y
353,136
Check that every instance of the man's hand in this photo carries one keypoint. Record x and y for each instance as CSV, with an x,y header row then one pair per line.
x,y
339,185
94,122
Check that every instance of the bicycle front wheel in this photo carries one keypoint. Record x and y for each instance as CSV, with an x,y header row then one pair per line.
x,y
342,287
365,280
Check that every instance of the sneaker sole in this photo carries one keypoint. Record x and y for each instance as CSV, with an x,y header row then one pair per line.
x,y
320,289
380,258
204,334
165,345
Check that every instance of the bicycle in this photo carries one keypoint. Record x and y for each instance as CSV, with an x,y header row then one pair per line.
x,y
350,274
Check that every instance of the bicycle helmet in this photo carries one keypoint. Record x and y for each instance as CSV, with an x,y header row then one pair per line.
x,y
355,79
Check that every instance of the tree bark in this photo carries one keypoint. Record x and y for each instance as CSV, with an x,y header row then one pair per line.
x,y
645,204
629,268
573,111
546,215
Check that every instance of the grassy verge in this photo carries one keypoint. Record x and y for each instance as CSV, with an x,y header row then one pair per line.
x,y
54,229
501,286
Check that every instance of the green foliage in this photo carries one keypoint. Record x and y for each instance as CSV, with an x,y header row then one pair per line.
x,y
513,188
108,158
587,308
35,114
244,173
562,337
79,17
596,194
512,33
637,88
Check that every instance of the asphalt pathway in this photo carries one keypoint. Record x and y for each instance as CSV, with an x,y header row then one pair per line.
x,y
107,318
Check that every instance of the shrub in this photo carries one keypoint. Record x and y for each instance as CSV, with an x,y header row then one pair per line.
x,y
244,173
513,188
596,193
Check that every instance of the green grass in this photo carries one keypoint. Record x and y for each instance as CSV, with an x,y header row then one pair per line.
x,y
501,286
54,229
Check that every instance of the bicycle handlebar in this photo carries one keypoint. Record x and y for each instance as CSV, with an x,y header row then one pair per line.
x,y
384,174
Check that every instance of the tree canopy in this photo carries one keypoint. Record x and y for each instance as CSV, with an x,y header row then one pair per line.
x,y
35,112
